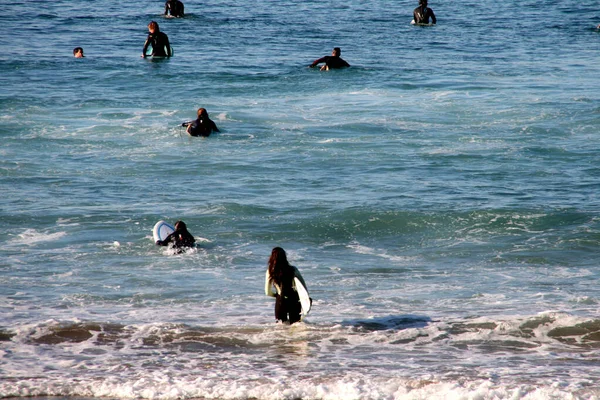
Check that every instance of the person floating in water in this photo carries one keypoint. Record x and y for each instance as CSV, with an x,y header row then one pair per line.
x,y
159,42
202,126
174,7
422,14
78,52
334,61
279,283
181,237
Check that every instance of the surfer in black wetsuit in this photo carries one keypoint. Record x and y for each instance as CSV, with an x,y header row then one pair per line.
x,y
422,14
180,238
280,276
202,126
334,61
159,42
174,7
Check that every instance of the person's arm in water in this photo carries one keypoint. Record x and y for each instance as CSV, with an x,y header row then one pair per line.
x,y
182,9
432,15
317,62
417,15
146,45
167,8
166,240
214,126
168,46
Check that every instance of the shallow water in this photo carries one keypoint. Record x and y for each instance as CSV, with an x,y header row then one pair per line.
x,y
439,198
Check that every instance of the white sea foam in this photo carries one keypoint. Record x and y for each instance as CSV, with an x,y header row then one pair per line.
x,y
34,236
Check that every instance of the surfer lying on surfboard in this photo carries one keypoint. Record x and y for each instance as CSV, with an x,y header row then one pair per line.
x,y
334,61
280,276
181,237
202,126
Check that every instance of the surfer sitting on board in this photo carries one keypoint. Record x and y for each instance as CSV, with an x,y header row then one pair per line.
x,y
280,276
181,237
422,13
174,7
202,126
334,61
159,42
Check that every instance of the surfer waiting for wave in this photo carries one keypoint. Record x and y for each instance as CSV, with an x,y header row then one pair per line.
x,y
78,52
174,7
334,61
181,237
159,42
280,277
422,14
202,126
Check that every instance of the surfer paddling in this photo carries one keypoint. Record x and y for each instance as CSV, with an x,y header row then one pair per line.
x,y
279,283
181,237
202,126
334,61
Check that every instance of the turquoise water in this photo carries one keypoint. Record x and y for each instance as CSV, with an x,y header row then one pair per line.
x,y
440,198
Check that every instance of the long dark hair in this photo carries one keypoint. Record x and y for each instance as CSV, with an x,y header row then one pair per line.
x,y
280,270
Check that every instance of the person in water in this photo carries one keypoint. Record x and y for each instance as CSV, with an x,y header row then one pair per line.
x,y
334,61
422,13
279,283
202,126
181,237
174,7
78,52
159,42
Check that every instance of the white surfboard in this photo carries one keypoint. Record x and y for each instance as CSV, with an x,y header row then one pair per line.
x,y
304,297
161,230
150,56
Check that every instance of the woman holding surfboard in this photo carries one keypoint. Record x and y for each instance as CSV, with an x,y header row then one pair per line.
x,y
283,282
180,237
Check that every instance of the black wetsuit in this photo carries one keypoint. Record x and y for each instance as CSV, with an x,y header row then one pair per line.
x,y
175,7
160,45
202,127
287,304
332,62
422,14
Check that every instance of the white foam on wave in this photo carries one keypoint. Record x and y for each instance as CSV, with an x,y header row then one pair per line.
x,y
171,385
34,236
361,249
368,359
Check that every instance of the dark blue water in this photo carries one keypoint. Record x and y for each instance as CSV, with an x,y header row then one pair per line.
x,y
440,198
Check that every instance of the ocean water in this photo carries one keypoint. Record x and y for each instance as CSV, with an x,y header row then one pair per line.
x,y
440,197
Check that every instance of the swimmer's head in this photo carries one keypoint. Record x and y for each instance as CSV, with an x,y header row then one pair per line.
x,y
78,52
422,2
336,52
180,225
202,113
153,27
